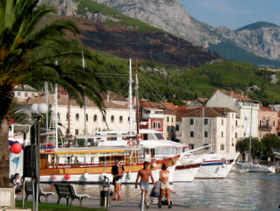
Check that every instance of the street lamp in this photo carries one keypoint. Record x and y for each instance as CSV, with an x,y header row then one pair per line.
x,y
38,110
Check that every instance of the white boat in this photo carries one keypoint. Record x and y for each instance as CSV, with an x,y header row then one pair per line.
x,y
156,148
213,165
216,165
253,167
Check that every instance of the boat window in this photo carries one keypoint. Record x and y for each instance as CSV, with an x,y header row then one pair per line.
x,y
159,136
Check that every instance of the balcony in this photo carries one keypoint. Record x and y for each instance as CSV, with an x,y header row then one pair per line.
x,y
265,128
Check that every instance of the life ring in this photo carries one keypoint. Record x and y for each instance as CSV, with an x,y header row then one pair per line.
x,y
132,142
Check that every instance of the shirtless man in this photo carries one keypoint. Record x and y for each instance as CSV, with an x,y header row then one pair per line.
x,y
144,174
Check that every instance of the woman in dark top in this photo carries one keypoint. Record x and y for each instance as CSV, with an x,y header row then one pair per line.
x,y
117,172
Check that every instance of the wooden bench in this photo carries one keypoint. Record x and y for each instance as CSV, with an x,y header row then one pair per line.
x,y
68,191
29,191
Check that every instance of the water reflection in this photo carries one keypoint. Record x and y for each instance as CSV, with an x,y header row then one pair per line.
x,y
240,191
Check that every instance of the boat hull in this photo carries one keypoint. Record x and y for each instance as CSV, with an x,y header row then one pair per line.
x,y
250,167
95,174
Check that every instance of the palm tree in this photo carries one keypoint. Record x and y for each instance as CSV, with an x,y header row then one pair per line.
x,y
28,51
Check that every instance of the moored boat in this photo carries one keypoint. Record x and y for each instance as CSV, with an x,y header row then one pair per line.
x,y
91,164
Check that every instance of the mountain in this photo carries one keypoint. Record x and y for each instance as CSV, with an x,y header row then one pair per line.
x,y
111,32
258,42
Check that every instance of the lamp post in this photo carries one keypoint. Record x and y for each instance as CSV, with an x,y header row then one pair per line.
x,y
38,110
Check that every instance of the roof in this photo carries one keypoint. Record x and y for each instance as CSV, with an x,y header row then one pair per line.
x,y
149,104
240,96
63,100
262,108
168,105
208,112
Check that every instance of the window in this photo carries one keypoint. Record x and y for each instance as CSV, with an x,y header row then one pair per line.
x,y
58,115
236,123
25,94
236,136
154,125
95,118
167,119
191,121
205,121
76,132
112,118
222,134
222,147
172,119
104,118
86,117
191,134
222,122
121,119
177,128
205,134
77,117
19,93
159,125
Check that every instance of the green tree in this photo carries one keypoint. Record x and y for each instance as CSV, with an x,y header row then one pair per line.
x,y
271,143
28,51
257,147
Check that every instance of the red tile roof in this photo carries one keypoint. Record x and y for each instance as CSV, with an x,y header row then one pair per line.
x,y
208,112
240,96
265,108
169,105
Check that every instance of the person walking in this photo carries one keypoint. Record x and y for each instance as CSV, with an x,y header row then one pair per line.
x,y
165,185
117,172
144,175
17,183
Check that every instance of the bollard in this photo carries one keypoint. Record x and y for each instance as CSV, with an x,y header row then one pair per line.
x,y
104,198
142,202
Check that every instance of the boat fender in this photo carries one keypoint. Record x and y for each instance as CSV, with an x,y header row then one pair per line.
x,y
67,176
131,142
101,177
128,175
85,176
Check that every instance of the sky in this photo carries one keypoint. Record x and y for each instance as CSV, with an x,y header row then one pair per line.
x,y
233,14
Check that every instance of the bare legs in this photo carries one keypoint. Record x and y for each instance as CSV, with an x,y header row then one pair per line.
x,y
118,191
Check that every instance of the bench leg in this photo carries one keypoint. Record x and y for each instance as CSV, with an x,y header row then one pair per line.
x,y
58,199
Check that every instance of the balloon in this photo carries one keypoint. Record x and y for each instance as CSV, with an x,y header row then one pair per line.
x,y
67,176
16,148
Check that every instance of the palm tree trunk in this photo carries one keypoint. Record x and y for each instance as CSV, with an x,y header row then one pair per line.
x,y
4,153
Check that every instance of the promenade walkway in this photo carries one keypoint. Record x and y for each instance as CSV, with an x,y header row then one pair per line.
x,y
126,205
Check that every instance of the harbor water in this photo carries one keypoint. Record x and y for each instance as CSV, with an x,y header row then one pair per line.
x,y
239,191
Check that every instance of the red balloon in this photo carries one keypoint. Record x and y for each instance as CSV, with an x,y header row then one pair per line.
x,y
67,176
16,148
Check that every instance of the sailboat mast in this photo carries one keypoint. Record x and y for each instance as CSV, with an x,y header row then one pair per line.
x,y
130,97
137,100
55,116
250,138
85,107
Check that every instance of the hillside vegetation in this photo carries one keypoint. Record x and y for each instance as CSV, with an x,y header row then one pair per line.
x,y
163,82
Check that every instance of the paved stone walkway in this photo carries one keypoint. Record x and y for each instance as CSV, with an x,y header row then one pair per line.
x,y
126,205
